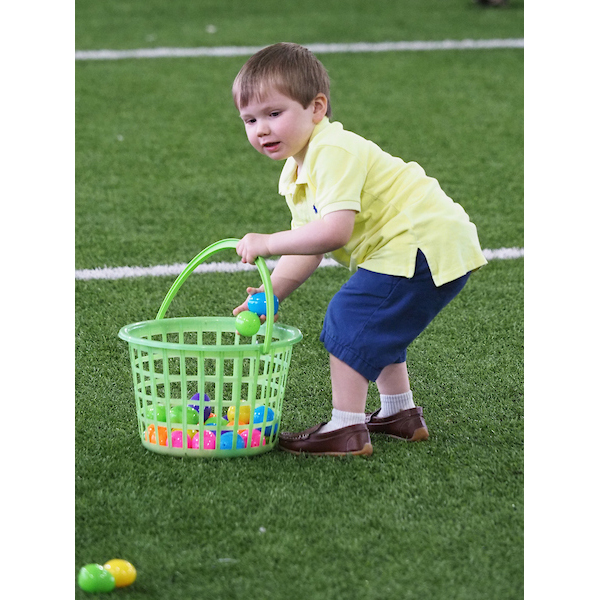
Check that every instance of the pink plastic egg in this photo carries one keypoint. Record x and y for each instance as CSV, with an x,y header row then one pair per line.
x,y
177,439
210,440
254,440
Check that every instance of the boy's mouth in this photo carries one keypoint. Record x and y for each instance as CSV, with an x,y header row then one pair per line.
x,y
270,146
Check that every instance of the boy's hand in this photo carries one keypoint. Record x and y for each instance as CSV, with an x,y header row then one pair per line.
x,y
253,245
251,291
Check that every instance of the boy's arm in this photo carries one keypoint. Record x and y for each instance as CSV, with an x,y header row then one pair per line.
x,y
301,251
289,274
324,235
292,271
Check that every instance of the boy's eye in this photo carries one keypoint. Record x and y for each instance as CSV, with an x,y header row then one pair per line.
x,y
275,113
249,121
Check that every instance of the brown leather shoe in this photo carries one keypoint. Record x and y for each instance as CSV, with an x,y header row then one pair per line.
x,y
405,425
353,439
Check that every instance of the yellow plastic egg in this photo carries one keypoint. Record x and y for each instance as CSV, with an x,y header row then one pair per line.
x,y
244,414
123,571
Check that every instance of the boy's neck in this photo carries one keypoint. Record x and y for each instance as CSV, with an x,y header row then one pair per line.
x,y
300,161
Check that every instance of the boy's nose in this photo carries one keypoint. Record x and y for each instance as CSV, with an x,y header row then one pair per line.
x,y
263,128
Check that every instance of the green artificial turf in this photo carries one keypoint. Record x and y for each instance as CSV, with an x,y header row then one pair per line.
x,y
443,518
162,170
164,167
153,23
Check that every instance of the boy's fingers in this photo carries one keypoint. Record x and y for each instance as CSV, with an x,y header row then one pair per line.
x,y
263,318
239,309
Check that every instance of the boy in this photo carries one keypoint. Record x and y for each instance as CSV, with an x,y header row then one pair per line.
x,y
410,247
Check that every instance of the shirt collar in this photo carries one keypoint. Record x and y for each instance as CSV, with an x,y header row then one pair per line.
x,y
288,179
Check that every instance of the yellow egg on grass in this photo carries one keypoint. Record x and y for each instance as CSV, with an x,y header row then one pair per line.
x,y
123,571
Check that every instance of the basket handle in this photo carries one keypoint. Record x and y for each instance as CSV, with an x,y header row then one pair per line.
x,y
226,244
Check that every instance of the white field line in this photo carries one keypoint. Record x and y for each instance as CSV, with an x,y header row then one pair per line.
x,y
111,273
316,48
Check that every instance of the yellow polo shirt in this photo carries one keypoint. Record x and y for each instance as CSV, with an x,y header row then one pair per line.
x,y
399,208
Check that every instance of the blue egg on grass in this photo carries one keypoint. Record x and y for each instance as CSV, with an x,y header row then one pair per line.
x,y
227,441
257,303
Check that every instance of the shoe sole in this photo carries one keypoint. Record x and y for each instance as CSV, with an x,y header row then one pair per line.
x,y
366,450
420,435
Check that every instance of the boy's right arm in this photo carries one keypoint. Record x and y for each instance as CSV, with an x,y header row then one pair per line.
x,y
301,250
289,274
292,271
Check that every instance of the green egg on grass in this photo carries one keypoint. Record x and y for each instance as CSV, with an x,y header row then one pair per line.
x,y
95,578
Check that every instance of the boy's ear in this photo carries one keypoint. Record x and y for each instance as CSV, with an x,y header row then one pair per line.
x,y
319,107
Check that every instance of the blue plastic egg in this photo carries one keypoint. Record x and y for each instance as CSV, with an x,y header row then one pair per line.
x,y
227,441
259,417
257,303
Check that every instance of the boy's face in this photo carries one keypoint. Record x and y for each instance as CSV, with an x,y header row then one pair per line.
x,y
280,127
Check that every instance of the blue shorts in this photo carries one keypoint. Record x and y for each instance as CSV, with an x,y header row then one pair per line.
x,y
373,318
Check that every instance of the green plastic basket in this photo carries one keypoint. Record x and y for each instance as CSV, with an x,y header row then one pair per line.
x,y
174,359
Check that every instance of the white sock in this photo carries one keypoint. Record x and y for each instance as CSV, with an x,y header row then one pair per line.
x,y
390,405
341,418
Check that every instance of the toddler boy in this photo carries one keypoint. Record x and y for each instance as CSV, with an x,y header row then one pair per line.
x,y
410,248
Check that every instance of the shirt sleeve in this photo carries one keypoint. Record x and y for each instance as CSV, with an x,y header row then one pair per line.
x,y
338,178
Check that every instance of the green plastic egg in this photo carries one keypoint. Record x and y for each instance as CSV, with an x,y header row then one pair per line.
x,y
247,323
177,415
95,578
161,413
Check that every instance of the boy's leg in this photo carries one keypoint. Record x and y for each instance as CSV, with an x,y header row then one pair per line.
x,y
394,390
348,387
398,415
346,432
369,324
393,380
349,396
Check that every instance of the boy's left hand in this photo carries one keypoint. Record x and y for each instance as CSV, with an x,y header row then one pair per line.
x,y
251,291
251,246
242,307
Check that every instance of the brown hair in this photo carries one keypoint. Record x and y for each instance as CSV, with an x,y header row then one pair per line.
x,y
291,69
